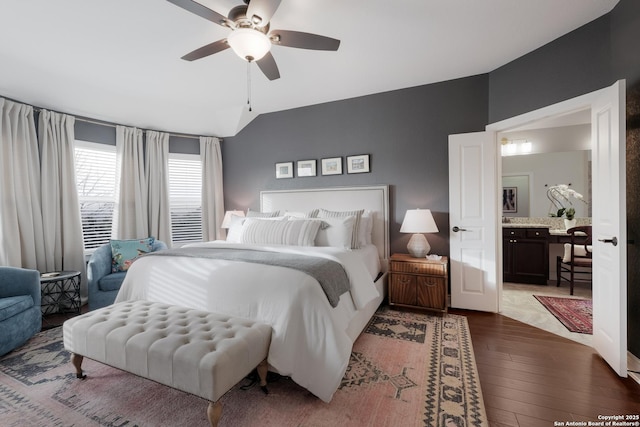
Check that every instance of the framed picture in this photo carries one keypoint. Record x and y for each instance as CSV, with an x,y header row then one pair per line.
x,y
284,170
358,164
306,168
510,199
332,166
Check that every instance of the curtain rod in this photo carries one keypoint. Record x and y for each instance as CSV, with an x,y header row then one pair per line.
x,y
113,125
104,123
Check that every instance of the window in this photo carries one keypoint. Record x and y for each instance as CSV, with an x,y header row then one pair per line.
x,y
185,197
96,182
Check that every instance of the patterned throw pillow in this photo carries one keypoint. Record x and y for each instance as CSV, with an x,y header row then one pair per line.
x,y
124,252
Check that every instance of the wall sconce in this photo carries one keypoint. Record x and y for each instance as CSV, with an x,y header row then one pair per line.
x,y
512,147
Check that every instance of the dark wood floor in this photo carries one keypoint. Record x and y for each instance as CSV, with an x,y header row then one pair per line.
x,y
531,377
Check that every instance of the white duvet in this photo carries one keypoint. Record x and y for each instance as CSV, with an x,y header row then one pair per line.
x,y
309,342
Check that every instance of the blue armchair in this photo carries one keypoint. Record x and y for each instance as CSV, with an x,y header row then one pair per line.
x,y
20,315
102,284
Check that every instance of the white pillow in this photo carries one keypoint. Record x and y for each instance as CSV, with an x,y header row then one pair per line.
x,y
337,233
355,244
578,251
266,232
234,233
366,228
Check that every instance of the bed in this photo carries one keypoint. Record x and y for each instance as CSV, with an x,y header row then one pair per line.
x,y
313,330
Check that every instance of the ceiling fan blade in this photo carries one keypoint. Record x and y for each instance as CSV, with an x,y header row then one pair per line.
x,y
303,40
200,10
261,11
207,50
269,67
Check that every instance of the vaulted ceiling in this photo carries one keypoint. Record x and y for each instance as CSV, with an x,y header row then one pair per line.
x,y
119,60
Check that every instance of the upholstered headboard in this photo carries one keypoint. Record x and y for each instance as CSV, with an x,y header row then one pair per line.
x,y
373,198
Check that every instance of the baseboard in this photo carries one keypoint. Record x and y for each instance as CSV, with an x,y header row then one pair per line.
x,y
633,367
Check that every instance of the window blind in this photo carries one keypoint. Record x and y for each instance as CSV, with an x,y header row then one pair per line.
x,y
185,197
96,183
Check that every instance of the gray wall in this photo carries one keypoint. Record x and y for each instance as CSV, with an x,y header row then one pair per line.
x,y
578,63
106,134
405,132
625,33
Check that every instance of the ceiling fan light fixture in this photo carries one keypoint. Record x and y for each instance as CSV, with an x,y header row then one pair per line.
x,y
249,44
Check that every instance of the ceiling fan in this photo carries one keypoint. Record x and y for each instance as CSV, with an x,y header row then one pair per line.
x,y
250,37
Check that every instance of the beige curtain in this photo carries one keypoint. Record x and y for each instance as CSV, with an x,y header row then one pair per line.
x,y
130,219
62,235
21,229
212,194
157,176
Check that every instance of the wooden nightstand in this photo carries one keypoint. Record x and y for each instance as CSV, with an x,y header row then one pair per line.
x,y
418,282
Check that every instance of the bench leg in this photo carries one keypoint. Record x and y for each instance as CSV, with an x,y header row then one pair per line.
x,y
76,360
263,369
214,412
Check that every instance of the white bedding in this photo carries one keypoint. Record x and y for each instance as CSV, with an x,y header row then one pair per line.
x,y
309,342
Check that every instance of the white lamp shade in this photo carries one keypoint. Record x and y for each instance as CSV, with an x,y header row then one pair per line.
x,y
418,221
228,215
249,44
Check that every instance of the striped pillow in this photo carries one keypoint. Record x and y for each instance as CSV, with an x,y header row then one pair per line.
x,y
256,214
355,244
266,232
293,214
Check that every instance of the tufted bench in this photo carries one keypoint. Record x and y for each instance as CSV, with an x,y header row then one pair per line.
x,y
195,351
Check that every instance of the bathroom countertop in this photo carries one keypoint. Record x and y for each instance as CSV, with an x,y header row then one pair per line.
x,y
517,225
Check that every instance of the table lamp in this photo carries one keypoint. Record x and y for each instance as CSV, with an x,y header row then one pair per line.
x,y
418,221
228,215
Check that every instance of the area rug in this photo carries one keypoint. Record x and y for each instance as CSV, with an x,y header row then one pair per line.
x,y
575,314
406,369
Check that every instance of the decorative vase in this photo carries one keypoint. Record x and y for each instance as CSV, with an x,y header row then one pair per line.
x,y
569,223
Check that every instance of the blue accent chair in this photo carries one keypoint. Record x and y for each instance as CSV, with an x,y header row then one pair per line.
x,y
20,315
102,284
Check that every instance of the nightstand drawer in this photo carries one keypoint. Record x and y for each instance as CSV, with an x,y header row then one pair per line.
x,y
417,268
431,292
430,281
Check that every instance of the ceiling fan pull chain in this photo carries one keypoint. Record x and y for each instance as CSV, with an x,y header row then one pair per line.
x,y
249,84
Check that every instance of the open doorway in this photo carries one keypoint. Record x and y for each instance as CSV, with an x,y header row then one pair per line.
x,y
536,158
608,132
475,216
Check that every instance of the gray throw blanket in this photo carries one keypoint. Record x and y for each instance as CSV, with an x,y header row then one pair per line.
x,y
330,274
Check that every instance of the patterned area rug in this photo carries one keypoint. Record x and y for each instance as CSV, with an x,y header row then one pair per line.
x,y
575,314
406,369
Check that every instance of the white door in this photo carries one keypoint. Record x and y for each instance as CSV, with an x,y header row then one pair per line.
x,y
473,210
609,227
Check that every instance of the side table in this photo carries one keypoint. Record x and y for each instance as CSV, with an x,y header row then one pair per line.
x,y
418,282
60,292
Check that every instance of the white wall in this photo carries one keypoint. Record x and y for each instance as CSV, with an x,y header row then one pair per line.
x,y
554,139
548,169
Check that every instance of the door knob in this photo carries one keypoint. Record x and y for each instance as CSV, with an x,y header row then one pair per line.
x,y
456,229
613,241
